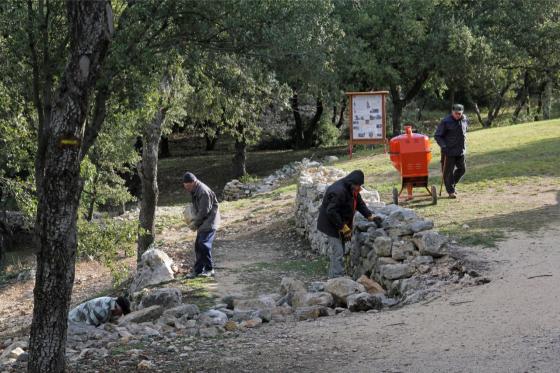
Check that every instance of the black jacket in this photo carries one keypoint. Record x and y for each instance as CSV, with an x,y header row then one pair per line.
x,y
338,204
451,135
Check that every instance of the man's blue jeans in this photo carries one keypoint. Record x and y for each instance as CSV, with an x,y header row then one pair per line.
x,y
203,251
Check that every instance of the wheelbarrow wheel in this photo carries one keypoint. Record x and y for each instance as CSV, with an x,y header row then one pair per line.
x,y
433,190
395,196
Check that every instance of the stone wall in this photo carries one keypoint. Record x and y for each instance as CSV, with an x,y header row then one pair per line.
x,y
236,189
403,253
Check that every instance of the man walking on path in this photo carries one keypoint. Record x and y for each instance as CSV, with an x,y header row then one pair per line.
x,y
450,135
205,221
336,215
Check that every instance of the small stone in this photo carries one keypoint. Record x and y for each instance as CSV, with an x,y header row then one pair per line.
x,y
364,302
371,286
341,287
291,285
230,326
146,365
253,323
209,332
146,314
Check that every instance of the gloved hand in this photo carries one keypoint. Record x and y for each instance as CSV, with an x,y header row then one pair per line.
x,y
346,232
375,219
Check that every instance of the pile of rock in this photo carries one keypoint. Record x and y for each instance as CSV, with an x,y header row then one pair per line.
x,y
159,317
403,253
236,189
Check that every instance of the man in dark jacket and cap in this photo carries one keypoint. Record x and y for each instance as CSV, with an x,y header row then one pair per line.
x,y
336,214
451,135
205,221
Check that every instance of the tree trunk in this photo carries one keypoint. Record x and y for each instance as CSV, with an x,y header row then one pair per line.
x,y
310,132
148,177
341,115
522,97
59,185
298,136
494,110
547,97
211,141
91,206
164,148
239,160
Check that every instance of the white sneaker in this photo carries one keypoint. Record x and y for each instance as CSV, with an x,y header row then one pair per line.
x,y
209,273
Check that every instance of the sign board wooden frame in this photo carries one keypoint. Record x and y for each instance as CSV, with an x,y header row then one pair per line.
x,y
367,118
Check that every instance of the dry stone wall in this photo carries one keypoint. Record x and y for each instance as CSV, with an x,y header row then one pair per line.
x,y
403,253
236,189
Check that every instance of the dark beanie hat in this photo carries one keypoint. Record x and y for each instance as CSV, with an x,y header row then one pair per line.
x,y
124,304
188,177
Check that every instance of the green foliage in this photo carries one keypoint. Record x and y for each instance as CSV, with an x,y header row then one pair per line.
x,y
248,179
327,133
108,241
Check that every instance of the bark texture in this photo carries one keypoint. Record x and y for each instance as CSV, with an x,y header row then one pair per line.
x,y
148,176
59,184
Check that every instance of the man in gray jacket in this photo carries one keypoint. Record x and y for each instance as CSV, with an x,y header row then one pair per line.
x,y
206,221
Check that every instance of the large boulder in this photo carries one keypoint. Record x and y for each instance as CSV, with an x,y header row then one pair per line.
x,y
364,302
146,314
342,287
430,243
154,268
165,297
303,299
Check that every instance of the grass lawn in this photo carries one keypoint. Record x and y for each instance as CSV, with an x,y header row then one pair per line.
x,y
512,180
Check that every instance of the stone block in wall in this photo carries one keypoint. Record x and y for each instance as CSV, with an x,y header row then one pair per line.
x,y
423,260
402,249
382,246
421,225
396,271
431,243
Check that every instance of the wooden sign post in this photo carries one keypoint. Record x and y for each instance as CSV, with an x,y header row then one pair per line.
x,y
367,118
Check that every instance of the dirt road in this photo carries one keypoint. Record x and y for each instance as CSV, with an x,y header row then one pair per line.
x,y
509,325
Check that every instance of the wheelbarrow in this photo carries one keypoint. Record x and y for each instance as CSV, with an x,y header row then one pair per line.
x,y
410,154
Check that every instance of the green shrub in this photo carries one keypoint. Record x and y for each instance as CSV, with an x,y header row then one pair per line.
x,y
108,241
327,134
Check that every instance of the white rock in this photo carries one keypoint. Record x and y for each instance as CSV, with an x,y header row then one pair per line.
x,y
154,268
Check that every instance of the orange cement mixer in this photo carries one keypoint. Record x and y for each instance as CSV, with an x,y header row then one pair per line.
x,y
410,154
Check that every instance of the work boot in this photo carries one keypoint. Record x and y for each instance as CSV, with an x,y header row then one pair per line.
x,y
452,196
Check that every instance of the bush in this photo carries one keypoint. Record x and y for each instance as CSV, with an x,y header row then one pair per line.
x,y
327,134
108,241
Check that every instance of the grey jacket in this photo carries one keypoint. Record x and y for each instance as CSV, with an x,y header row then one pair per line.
x,y
205,206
